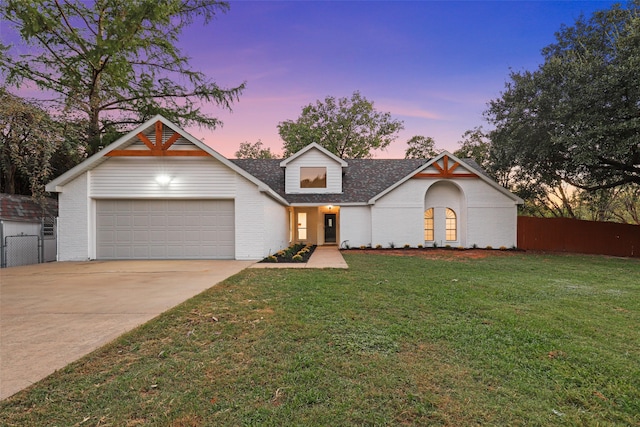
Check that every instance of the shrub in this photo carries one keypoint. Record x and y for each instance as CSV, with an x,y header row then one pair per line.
x,y
503,248
447,246
435,244
407,246
297,258
474,246
489,247
287,254
392,245
378,246
363,246
420,246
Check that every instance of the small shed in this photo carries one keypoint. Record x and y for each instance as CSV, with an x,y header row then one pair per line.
x,y
27,230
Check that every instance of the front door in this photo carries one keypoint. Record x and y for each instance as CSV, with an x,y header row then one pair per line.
x,y
330,228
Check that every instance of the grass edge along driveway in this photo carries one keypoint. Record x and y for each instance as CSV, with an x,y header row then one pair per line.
x,y
508,340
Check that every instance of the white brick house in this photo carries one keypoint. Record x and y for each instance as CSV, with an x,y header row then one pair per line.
x,y
159,193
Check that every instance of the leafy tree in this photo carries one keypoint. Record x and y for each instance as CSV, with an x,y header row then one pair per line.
x,y
254,151
348,127
420,147
619,204
29,138
475,144
576,119
114,63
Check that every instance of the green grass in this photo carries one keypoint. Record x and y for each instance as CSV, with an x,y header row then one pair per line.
x,y
511,340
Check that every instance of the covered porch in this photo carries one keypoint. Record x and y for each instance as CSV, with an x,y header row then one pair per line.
x,y
316,225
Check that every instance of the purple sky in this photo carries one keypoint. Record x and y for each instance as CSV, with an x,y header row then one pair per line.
x,y
432,64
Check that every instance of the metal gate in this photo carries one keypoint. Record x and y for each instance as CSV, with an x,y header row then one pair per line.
x,y
23,249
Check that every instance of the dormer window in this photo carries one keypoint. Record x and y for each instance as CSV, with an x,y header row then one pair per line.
x,y
315,177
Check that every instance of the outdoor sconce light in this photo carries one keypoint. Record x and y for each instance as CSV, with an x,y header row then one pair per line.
x,y
330,207
163,180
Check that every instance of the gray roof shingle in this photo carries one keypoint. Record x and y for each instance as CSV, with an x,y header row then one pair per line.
x,y
362,179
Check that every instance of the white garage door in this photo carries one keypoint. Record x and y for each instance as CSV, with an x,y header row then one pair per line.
x,y
165,229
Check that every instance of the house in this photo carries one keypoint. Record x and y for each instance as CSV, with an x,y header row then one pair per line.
x,y
160,193
27,230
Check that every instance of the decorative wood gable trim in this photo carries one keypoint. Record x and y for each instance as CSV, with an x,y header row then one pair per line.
x,y
159,148
445,171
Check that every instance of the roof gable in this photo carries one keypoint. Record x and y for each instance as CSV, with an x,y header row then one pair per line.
x,y
447,166
156,137
158,140
314,146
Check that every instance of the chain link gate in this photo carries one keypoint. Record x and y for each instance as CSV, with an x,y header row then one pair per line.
x,y
37,245
22,249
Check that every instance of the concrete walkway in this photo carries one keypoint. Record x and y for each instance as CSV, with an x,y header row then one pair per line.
x,y
322,257
53,314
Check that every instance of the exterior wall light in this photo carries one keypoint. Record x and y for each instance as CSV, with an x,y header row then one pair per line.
x,y
163,180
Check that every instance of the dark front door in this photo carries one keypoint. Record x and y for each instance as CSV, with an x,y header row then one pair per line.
x,y
329,228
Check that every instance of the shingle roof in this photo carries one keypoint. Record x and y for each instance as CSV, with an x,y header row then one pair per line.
x,y
362,178
14,207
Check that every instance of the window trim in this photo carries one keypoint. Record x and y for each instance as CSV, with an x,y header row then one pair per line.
x,y
322,182
451,225
302,226
429,229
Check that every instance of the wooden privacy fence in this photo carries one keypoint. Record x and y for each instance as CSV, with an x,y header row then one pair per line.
x,y
572,235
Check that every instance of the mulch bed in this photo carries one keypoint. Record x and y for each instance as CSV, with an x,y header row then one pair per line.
x,y
288,258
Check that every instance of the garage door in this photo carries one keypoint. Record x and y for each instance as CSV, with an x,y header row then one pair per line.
x,y
165,229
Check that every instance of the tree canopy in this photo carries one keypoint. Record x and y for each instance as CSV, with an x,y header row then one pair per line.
x,y
348,127
420,147
576,119
29,138
475,144
248,150
114,63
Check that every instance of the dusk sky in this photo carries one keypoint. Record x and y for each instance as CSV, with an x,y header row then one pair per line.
x,y
432,64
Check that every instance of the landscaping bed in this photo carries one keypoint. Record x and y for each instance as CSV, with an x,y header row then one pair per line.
x,y
439,253
298,253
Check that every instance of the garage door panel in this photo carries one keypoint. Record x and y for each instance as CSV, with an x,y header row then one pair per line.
x,y
140,235
123,237
223,237
136,252
123,221
157,252
165,229
122,252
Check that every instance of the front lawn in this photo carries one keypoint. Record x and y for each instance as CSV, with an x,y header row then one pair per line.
x,y
395,340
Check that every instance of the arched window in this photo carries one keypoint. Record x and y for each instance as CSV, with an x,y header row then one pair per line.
x,y
451,225
428,224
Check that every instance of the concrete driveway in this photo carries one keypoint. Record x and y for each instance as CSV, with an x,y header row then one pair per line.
x,y
52,314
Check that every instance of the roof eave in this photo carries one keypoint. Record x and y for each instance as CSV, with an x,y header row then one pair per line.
x,y
312,146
